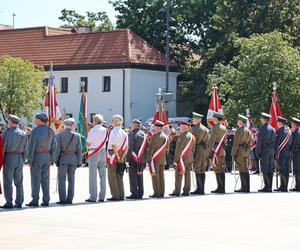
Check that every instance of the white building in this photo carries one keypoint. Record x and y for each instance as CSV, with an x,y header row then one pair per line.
x,y
122,72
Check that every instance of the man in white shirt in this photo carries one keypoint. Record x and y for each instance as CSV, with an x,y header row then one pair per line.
x,y
117,150
96,144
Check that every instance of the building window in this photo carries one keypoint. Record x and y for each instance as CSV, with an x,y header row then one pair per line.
x,y
92,116
64,85
46,81
69,115
85,81
106,83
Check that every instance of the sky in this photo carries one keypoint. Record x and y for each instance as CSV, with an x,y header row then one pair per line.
x,y
30,13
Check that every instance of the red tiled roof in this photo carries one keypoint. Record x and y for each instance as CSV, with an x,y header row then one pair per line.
x,y
40,45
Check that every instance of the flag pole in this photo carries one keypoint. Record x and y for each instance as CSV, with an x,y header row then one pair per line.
x,y
275,86
49,95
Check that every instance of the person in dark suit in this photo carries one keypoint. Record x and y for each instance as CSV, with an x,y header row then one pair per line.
x,y
283,153
265,150
295,149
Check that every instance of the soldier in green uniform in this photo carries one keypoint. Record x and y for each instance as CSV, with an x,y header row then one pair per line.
x,y
201,135
217,134
183,160
156,159
241,151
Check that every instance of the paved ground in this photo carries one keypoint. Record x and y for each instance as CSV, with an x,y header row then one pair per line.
x,y
231,221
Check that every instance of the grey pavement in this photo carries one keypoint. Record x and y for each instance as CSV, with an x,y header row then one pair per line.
x,y
230,221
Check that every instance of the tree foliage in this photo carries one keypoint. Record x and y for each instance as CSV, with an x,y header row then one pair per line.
x,y
20,87
246,82
95,21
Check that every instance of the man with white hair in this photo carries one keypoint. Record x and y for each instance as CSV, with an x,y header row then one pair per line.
x,y
96,144
67,158
117,150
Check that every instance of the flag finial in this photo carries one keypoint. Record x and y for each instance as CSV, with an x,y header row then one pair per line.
x,y
275,86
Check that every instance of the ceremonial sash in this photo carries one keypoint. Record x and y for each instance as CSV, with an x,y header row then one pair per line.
x,y
155,157
137,157
254,138
184,154
96,150
218,149
283,144
112,159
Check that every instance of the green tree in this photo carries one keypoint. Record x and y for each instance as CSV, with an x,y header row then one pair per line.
x,y
246,82
21,87
95,21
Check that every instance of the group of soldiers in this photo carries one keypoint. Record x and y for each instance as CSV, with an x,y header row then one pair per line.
x,y
112,151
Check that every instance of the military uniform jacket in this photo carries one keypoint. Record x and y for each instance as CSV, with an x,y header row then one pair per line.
x,y
14,144
157,141
68,150
241,142
135,141
217,132
182,142
265,140
201,135
42,138
281,134
295,147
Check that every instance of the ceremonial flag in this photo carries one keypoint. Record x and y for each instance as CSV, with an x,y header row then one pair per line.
x,y
51,107
274,108
160,115
214,106
82,126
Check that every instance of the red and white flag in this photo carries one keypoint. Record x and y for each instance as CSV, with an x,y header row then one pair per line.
x,y
51,107
274,110
160,115
214,106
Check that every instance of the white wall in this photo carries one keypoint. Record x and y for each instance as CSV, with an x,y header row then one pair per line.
x,y
144,86
140,89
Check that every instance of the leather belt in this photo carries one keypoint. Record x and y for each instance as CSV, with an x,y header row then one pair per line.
x,y
68,152
41,151
14,152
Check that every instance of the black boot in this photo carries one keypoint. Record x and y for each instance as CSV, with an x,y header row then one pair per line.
x,y
222,183
271,181
218,183
202,184
242,184
197,191
266,183
297,186
285,181
246,188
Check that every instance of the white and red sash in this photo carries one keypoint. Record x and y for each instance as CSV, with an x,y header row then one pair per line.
x,y
137,157
96,150
283,144
155,157
184,153
218,149
112,159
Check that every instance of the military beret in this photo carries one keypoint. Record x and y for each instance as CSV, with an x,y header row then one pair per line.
x,y
197,115
296,120
159,123
136,121
41,116
14,118
217,115
185,123
242,118
265,116
69,122
281,119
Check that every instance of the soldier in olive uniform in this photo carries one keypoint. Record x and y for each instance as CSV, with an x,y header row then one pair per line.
x,y
14,149
41,153
183,160
283,153
157,144
201,134
217,133
67,158
136,156
241,151
295,148
265,150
